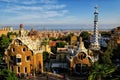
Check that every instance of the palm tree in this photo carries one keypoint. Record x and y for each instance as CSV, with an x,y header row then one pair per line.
x,y
100,71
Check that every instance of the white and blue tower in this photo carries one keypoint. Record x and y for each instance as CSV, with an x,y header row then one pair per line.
x,y
95,44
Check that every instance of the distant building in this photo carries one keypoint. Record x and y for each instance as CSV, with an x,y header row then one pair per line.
x,y
115,37
116,30
34,34
5,30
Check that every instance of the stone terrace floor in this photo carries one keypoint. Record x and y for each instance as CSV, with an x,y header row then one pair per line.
x,y
52,76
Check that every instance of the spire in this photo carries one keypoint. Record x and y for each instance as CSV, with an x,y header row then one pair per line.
x,y
81,45
21,31
96,9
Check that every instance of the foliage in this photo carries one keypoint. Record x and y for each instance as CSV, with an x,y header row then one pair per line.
x,y
86,44
85,35
106,56
45,41
116,53
4,43
54,49
7,75
100,71
60,44
59,38
52,38
45,56
105,34
67,38
11,33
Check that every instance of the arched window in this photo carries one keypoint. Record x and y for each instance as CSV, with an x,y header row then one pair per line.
x,y
81,55
24,49
13,49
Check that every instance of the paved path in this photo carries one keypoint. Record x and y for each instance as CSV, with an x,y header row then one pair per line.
x,y
52,76
46,76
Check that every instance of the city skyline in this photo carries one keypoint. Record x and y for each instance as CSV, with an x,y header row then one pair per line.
x,y
59,12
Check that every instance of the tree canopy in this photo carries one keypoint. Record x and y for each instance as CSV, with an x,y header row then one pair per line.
x,y
45,56
85,35
4,43
7,75
116,53
105,34
60,44
100,71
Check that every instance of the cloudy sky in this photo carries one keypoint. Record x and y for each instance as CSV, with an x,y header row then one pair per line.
x,y
59,12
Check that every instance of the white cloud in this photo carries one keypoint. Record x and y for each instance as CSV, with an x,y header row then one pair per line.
x,y
48,1
32,12
54,6
8,0
31,1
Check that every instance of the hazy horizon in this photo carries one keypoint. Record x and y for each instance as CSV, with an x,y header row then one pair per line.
x,y
61,27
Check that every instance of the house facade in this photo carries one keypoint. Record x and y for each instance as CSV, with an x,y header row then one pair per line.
x,y
80,58
24,55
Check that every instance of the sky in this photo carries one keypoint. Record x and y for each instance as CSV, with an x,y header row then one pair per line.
x,y
72,14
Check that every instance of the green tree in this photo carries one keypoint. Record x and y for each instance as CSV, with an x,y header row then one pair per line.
x,y
54,49
45,56
11,33
116,53
85,35
59,38
4,43
100,71
60,44
7,75
105,34
106,55
68,37
52,38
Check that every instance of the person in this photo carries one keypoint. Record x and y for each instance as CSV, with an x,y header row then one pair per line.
x,y
17,75
30,75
